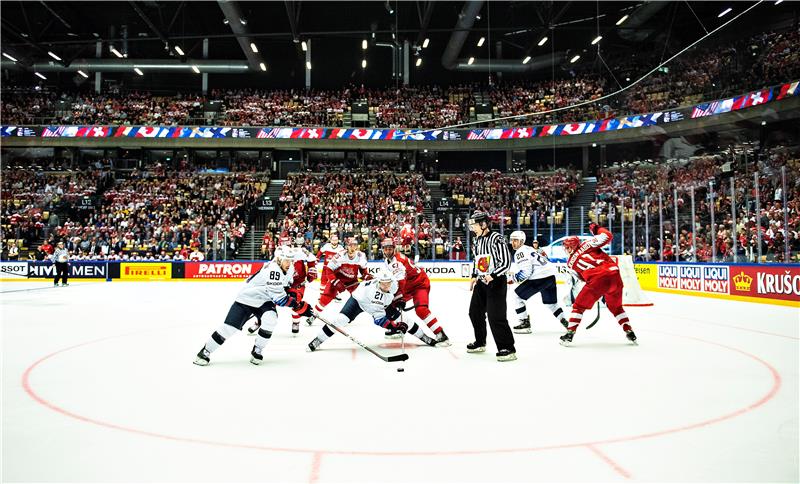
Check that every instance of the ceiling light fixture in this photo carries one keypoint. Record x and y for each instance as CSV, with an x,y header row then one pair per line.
x,y
481,41
9,57
725,12
308,65
364,64
419,61
253,47
304,45
85,75
116,52
388,7
574,59
542,42
470,61
40,75
364,44
425,43
196,69
179,50
622,20
263,67
53,55
597,39
526,59
138,71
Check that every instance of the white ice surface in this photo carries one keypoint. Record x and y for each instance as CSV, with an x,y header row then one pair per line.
x,y
99,385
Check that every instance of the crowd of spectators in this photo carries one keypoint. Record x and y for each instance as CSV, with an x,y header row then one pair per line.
x,y
622,192
370,206
699,74
152,214
512,196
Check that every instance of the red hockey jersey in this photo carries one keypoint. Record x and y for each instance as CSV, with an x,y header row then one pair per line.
x,y
589,260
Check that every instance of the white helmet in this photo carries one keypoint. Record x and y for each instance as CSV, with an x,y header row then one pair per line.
x,y
284,252
518,235
384,276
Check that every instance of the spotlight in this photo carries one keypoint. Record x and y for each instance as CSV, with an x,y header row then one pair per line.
x,y
364,64
388,7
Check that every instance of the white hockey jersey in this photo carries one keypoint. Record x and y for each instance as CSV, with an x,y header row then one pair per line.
x,y
373,301
268,284
531,264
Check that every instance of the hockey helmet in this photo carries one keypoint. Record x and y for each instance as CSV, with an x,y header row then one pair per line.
x,y
384,276
518,235
299,241
571,243
283,252
387,242
478,216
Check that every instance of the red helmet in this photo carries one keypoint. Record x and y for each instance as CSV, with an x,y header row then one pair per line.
x,y
572,243
387,242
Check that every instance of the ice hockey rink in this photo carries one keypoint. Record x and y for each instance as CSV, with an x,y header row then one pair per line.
x,y
99,385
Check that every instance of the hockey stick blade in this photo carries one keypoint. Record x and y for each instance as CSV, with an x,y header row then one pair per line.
x,y
359,343
400,357
596,318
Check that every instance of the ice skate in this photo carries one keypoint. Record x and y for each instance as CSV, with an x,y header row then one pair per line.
x,y
202,358
474,347
295,328
631,336
506,355
255,357
310,320
524,326
314,344
392,333
428,340
442,340
566,339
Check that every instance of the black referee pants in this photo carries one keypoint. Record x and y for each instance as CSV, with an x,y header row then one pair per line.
x,y
490,299
62,269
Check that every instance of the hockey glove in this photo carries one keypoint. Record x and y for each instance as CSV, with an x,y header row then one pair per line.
x,y
519,276
593,228
368,277
338,286
400,326
294,294
303,309
393,311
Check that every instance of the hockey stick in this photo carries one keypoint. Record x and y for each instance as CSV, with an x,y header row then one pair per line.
x,y
596,317
400,357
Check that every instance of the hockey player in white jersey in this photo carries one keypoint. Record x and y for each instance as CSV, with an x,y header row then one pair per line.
x,y
375,297
262,292
535,274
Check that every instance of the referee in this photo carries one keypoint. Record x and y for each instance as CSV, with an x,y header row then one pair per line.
x,y
61,259
489,286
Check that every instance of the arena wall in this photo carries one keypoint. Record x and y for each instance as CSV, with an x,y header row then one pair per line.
x,y
771,284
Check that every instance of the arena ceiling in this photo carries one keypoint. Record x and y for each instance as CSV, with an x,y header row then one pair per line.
x,y
512,30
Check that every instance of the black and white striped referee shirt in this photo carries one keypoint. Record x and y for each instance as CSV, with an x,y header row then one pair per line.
x,y
495,245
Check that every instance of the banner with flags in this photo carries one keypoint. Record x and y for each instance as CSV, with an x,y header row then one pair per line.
x,y
712,108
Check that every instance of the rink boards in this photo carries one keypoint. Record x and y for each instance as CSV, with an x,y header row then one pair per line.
x,y
773,283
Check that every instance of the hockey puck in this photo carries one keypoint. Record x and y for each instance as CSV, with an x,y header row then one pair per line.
x,y
401,370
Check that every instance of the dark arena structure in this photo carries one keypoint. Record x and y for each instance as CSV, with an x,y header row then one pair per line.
x,y
400,241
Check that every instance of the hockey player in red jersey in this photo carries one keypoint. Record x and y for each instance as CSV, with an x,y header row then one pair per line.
x,y
327,252
601,274
415,286
345,271
305,271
